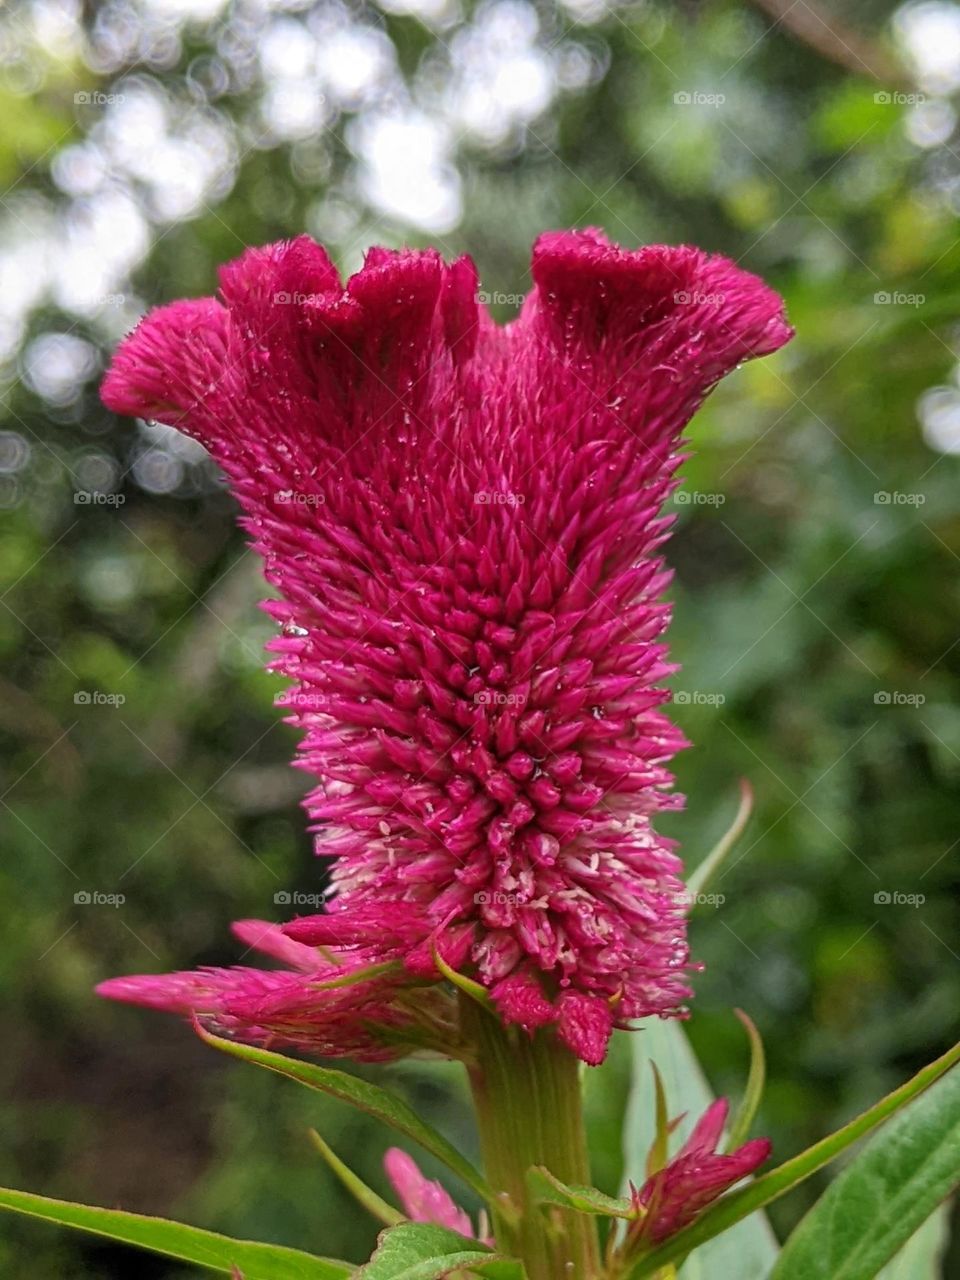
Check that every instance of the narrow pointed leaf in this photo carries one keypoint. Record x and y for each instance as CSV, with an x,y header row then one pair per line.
x,y
419,1251
366,1196
546,1189
364,1096
208,1249
738,1205
659,1148
875,1204
750,1249
743,1120
705,871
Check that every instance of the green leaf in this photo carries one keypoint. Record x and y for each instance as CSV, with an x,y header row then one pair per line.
x,y
177,1240
704,872
373,1203
365,1097
419,1251
921,1258
660,1147
743,1120
880,1199
731,1209
750,1249
546,1189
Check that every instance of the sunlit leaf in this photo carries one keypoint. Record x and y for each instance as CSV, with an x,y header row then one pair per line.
x,y
418,1251
207,1249
883,1196
546,1189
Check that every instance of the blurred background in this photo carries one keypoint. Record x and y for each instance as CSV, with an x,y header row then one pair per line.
x,y
146,795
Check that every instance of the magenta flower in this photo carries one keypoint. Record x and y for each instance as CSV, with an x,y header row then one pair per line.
x,y
345,1005
671,1198
463,524
424,1200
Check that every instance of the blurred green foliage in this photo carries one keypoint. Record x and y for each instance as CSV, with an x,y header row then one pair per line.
x,y
817,625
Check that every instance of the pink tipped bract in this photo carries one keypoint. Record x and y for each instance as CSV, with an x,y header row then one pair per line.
x,y
463,523
696,1176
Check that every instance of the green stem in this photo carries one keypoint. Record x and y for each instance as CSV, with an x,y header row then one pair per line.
x,y
526,1090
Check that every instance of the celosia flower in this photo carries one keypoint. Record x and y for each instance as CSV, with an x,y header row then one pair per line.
x,y
463,524
424,1200
333,1005
671,1198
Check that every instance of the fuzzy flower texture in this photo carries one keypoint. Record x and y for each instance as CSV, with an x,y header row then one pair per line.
x,y
462,522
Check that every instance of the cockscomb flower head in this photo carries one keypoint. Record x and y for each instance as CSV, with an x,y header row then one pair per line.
x,y
463,525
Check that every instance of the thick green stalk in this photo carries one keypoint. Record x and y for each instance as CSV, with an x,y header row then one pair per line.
x,y
526,1091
